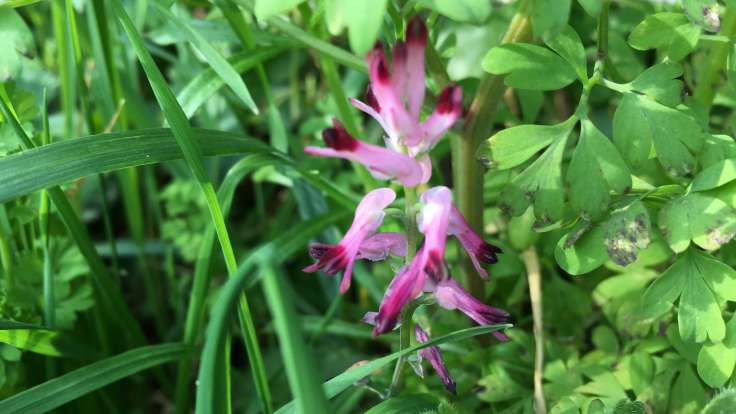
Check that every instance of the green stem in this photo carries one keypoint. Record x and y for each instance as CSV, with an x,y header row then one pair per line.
x,y
405,330
412,232
478,127
412,239
715,61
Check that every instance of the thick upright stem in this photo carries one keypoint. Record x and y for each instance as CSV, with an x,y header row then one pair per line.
x,y
478,126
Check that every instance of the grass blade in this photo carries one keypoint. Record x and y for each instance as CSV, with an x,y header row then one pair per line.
x,y
193,155
29,171
219,64
311,42
207,83
201,279
68,387
341,382
298,362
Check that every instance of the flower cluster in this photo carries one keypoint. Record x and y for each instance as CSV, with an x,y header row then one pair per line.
x,y
394,99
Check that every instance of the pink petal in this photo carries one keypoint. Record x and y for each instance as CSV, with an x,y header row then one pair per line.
x,y
416,40
449,108
478,250
433,222
375,115
368,217
388,97
400,75
404,287
380,245
433,355
450,295
382,162
426,164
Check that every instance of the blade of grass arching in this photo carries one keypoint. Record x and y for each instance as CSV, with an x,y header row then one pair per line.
x,y
202,276
68,387
193,156
345,380
217,334
287,244
66,75
311,42
207,83
105,288
218,62
26,172
301,370
276,127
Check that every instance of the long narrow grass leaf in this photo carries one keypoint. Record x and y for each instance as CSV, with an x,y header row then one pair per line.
x,y
219,64
207,82
298,361
29,171
68,387
341,382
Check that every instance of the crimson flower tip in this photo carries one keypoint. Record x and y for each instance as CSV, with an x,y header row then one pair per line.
x,y
370,99
487,253
339,139
416,31
450,100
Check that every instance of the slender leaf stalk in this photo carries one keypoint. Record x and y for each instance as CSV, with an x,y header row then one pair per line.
x,y
534,276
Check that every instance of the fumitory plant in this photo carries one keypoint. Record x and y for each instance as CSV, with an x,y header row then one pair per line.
x,y
293,206
395,96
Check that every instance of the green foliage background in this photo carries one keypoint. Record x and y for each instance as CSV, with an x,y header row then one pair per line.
x,y
157,205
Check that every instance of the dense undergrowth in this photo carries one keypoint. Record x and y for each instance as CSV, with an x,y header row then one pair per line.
x,y
168,168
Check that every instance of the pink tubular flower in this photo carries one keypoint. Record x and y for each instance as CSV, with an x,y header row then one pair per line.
x,y
478,250
382,162
405,287
368,217
395,95
433,222
450,295
433,355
